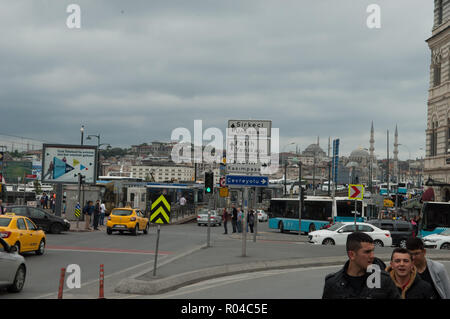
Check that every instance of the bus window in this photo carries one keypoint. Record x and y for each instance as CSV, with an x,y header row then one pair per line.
x,y
435,217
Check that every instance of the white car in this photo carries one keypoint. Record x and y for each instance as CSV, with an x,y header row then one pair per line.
x,y
337,234
438,241
12,268
202,218
262,215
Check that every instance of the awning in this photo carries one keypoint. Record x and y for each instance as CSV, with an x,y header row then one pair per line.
x,y
428,195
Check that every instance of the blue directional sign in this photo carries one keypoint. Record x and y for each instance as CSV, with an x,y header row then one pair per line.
x,y
249,181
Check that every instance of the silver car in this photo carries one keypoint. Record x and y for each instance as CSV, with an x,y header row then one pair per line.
x,y
202,218
12,268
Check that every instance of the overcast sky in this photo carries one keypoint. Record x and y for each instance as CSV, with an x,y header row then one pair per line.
x,y
136,70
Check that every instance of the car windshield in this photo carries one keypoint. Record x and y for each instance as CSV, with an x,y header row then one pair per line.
x,y
4,222
205,212
335,226
122,212
446,232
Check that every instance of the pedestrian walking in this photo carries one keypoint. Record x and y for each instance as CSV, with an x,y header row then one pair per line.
x,y
183,205
404,275
239,220
429,270
351,282
97,210
102,214
234,218
88,211
225,218
45,201
251,220
2,208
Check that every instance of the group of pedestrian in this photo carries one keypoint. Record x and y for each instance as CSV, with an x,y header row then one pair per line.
x,y
410,275
94,214
237,218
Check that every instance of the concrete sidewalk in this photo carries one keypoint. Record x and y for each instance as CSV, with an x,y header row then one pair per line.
x,y
224,258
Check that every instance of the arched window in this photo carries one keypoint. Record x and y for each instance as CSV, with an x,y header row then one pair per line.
x,y
437,74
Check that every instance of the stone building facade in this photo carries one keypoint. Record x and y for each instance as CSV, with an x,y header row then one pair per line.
x,y
437,158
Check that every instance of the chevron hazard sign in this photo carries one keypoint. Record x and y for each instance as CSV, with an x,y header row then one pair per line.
x,y
160,212
355,191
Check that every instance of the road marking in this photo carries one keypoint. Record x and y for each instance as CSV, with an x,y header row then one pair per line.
x,y
106,250
226,280
144,264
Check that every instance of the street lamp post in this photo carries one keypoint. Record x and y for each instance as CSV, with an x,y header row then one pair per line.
x,y
82,133
285,168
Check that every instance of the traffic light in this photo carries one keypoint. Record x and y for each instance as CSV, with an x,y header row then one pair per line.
x,y
209,182
302,195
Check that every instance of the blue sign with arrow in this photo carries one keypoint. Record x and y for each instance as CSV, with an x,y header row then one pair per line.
x,y
249,181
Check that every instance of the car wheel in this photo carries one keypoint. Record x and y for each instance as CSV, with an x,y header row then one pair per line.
x,y
312,227
109,231
135,230
146,229
445,246
199,224
402,243
55,228
41,248
378,243
19,280
121,232
328,241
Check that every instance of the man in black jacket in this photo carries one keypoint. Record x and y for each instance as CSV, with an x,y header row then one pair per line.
x,y
354,280
404,274
234,218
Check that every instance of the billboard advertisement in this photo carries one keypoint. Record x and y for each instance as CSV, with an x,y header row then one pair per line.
x,y
62,163
16,171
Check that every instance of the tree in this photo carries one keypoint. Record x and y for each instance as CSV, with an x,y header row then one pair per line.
x,y
37,187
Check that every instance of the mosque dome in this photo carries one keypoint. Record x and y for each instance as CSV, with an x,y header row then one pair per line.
x,y
359,155
314,150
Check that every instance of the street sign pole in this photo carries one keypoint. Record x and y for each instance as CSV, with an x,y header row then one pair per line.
x,y
156,251
300,190
255,215
244,222
208,232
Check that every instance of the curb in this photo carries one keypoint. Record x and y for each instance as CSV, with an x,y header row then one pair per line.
x,y
163,285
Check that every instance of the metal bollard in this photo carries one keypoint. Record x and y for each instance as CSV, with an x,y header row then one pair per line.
x,y
61,283
102,279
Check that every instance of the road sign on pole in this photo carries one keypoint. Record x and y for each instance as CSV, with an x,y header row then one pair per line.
x,y
355,191
249,181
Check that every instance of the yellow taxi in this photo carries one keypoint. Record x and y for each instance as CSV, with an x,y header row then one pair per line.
x,y
21,232
127,219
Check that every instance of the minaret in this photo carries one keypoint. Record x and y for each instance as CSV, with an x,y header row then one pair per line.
x,y
372,143
371,156
396,154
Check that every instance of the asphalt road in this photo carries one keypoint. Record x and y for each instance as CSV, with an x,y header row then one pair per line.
x,y
300,283
122,256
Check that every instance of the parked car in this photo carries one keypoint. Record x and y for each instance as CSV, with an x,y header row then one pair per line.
x,y
21,232
262,215
438,241
45,221
127,219
337,234
202,218
400,230
12,268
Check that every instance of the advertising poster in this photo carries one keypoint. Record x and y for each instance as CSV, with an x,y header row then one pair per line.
x,y
15,171
62,163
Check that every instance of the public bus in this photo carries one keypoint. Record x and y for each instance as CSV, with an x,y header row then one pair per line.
x,y
435,218
318,212
402,188
384,190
